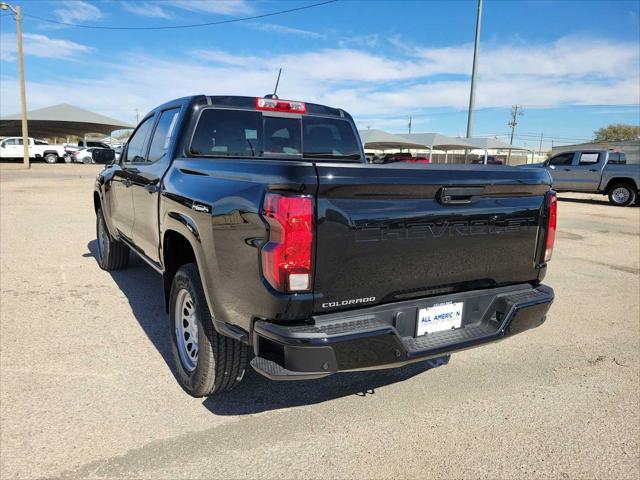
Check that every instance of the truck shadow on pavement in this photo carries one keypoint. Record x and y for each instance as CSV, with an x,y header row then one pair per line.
x,y
143,288
589,201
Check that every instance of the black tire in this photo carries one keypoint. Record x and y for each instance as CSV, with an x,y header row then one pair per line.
x,y
622,194
220,361
87,160
51,158
112,254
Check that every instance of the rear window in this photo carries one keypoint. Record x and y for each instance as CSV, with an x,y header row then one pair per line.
x,y
242,133
234,133
282,136
617,158
329,138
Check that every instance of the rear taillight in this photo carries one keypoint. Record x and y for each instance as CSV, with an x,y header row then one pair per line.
x,y
552,220
276,105
286,257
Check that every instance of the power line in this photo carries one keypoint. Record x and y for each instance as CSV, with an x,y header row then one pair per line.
x,y
174,27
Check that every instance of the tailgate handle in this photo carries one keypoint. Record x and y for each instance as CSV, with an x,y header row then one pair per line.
x,y
459,195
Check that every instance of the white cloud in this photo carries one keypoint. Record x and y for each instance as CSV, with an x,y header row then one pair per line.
x,y
273,28
77,11
568,56
223,7
36,45
146,9
566,72
368,41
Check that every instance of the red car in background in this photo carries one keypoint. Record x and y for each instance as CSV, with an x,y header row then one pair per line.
x,y
400,157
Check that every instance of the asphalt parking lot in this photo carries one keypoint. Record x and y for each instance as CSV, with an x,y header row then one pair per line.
x,y
86,387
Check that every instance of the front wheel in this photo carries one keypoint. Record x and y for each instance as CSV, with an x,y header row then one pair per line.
x,y
51,158
206,362
622,195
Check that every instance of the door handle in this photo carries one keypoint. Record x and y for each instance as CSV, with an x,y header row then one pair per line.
x,y
151,188
459,195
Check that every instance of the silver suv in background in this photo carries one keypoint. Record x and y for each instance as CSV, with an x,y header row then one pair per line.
x,y
595,171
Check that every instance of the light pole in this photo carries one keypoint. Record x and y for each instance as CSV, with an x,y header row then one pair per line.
x,y
23,95
476,53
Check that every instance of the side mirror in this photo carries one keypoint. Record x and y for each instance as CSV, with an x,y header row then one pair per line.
x,y
3,145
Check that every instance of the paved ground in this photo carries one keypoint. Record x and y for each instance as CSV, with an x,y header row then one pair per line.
x,y
87,391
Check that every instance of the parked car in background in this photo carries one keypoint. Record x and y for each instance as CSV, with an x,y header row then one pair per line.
x,y
491,160
82,144
12,147
82,155
595,171
402,157
272,233
93,155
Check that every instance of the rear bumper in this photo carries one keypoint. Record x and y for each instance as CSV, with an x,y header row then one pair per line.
x,y
384,336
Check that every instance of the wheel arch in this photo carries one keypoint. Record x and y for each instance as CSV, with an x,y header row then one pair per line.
x,y
97,203
177,250
618,180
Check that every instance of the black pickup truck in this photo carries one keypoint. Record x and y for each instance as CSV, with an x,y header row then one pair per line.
x,y
274,235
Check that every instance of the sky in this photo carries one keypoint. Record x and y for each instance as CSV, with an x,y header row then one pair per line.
x,y
573,66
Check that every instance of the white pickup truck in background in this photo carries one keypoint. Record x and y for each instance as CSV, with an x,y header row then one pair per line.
x,y
12,147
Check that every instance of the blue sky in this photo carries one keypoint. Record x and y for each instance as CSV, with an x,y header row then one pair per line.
x,y
574,66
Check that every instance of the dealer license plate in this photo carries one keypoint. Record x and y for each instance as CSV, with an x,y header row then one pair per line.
x,y
437,318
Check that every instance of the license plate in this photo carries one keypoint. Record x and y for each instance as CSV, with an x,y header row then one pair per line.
x,y
437,318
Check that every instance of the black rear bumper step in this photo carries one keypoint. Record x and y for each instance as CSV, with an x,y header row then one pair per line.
x,y
384,336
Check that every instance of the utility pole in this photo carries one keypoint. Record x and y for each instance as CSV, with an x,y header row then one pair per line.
x,y
23,95
516,110
137,117
474,70
540,147
410,121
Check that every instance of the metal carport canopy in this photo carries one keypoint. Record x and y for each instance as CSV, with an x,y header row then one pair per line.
x,y
492,144
438,141
487,144
380,140
60,121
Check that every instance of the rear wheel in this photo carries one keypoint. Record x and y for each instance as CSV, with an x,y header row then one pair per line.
x,y
622,194
112,254
206,362
51,158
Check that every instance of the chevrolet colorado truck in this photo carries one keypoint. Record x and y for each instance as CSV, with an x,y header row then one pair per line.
x,y
274,236
595,171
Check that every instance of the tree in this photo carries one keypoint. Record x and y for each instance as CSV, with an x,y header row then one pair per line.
x,y
617,132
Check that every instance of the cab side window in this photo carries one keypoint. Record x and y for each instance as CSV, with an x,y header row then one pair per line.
x,y
588,158
137,144
162,135
562,159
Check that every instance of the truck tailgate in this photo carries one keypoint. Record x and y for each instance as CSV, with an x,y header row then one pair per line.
x,y
398,231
